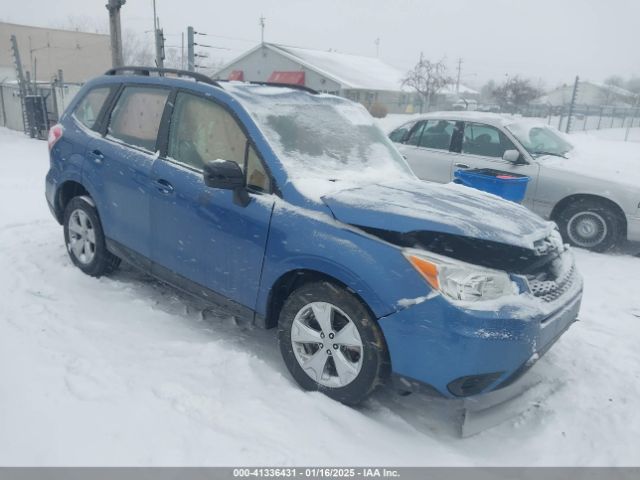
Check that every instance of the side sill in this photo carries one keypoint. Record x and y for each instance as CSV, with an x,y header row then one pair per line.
x,y
185,285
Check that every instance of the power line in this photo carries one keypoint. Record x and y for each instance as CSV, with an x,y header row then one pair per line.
x,y
204,45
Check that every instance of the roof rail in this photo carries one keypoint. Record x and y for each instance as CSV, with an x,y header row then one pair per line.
x,y
287,85
273,84
147,71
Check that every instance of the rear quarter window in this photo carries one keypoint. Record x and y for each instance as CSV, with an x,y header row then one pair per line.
x,y
88,109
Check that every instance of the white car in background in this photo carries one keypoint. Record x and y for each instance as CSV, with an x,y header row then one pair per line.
x,y
594,199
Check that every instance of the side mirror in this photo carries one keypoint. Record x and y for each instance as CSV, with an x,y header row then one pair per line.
x,y
223,174
226,175
513,156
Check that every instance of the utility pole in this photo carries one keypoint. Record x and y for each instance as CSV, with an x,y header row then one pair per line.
x,y
458,78
377,42
155,17
572,105
191,63
115,31
262,24
158,38
159,48
182,51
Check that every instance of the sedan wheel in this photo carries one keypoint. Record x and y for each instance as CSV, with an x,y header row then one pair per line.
x,y
590,223
587,229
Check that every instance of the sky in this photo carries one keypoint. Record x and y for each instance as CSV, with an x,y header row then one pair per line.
x,y
549,41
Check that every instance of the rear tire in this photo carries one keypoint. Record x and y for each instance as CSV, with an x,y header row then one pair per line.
x,y
331,343
84,238
590,224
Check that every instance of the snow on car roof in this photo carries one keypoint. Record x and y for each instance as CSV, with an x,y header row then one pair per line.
x,y
496,119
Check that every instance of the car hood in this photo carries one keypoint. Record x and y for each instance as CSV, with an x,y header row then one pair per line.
x,y
413,205
604,160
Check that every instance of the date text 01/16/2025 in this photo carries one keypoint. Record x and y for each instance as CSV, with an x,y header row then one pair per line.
x,y
316,472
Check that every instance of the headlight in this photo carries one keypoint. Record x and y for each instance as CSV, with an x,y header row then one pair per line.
x,y
459,280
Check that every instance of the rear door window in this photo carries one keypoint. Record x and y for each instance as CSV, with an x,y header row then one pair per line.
x,y
136,117
88,109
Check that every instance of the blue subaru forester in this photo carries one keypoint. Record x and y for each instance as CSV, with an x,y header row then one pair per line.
x,y
292,209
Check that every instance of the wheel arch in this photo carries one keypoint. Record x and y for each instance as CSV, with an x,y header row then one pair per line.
x,y
294,279
565,202
65,192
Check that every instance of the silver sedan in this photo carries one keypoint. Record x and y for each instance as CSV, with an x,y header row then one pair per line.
x,y
596,204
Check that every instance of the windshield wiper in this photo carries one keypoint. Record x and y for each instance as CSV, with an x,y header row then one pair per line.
x,y
549,153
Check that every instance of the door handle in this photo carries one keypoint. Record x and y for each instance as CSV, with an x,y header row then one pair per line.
x,y
164,186
462,165
97,156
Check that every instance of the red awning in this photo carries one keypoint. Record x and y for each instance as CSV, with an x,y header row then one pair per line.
x,y
292,78
237,75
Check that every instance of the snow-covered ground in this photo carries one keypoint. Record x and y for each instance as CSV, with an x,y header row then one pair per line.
x,y
125,371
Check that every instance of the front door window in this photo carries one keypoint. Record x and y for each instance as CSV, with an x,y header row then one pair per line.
x,y
485,141
202,130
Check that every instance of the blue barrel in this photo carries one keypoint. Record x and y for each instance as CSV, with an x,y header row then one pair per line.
x,y
507,185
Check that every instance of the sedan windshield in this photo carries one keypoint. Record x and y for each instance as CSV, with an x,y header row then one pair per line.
x,y
539,139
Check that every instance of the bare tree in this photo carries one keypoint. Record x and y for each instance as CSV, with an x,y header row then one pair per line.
x,y
615,80
427,79
137,50
82,23
140,51
515,93
486,92
633,85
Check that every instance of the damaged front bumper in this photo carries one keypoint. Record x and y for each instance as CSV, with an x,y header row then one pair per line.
x,y
463,353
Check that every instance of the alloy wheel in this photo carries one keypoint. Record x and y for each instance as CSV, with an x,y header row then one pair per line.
x,y
327,344
82,237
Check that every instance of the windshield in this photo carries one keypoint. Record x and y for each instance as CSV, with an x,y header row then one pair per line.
x,y
540,139
324,137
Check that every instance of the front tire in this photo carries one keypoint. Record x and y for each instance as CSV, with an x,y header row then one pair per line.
x,y
331,343
85,240
590,224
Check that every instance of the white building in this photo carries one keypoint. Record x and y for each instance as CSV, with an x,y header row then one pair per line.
x,y
589,93
363,79
44,51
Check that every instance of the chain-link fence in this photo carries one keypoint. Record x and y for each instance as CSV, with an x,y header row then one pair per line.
x,y
54,100
585,117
